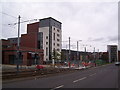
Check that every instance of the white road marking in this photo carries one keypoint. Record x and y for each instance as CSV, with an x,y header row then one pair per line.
x,y
57,87
79,79
92,74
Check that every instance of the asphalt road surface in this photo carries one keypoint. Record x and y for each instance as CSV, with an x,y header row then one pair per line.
x,y
99,77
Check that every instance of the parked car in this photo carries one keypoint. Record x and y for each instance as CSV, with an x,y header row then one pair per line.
x,y
117,63
39,67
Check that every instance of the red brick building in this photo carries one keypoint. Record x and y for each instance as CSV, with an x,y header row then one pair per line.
x,y
29,52
30,39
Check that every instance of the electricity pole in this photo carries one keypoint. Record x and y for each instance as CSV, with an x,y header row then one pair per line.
x,y
66,54
94,53
18,45
69,52
85,54
77,51
98,54
94,57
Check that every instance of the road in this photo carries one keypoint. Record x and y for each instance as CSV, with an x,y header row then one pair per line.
x,y
99,77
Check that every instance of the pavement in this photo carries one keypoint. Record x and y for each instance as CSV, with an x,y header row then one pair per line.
x,y
13,67
105,76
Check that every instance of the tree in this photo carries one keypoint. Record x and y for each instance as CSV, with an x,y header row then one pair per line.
x,y
56,55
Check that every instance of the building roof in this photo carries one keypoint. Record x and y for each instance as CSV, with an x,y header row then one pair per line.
x,y
51,18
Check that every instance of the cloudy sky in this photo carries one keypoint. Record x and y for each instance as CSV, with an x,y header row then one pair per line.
x,y
93,22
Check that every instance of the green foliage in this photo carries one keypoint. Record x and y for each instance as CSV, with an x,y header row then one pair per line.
x,y
100,62
56,55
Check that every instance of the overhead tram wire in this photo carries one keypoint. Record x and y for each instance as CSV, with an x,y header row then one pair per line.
x,y
24,21
8,15
17,18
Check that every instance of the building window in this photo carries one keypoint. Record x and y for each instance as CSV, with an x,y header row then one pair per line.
x,y
46,51
54,36
58,35
46,37
40,40
46,43
58,40
54,28
58,44
58,50
54,44
58,30
4,46
54,52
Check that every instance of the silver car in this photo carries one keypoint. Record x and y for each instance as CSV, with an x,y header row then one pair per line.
x,y
117,63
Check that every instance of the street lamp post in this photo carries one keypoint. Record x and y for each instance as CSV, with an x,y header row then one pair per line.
x,y
98,54
77,50
94,56
94,53
85,54
66,53
85,50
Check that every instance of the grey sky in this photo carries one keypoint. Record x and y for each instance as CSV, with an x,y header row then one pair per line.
x,y
95,23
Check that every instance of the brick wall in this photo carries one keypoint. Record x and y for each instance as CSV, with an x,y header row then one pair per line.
x,y
29,40
32,27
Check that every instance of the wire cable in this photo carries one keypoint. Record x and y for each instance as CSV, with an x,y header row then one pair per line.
x,y
8,15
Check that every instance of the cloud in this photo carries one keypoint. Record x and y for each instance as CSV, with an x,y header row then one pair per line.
x,y
80,20
96,39
113,38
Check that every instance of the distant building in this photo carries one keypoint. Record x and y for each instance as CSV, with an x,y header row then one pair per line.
x,y
112,53
104,56
82,56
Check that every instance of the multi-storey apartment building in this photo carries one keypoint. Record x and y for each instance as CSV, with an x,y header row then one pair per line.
x,y
112,53
49,37
45,34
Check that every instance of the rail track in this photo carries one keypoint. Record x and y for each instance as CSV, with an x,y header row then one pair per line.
x,y
6,75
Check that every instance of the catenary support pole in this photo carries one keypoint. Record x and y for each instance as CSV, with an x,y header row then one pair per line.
x,y
69,53
18,45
